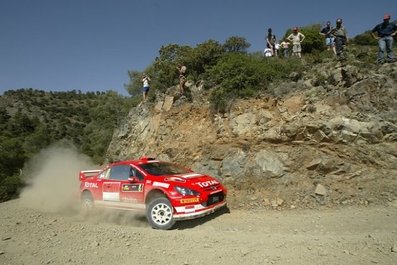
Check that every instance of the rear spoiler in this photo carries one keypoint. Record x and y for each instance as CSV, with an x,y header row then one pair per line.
x,y
89,173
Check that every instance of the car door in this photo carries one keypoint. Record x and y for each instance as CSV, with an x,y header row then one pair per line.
x,y
112,183
132,189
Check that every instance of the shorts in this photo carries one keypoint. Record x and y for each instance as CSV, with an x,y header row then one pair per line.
x,y
330,41
297,48
146,89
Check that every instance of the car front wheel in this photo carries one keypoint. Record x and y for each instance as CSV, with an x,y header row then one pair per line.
x,y
160,214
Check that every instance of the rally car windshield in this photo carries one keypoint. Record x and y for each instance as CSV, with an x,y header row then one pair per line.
x,y
160,168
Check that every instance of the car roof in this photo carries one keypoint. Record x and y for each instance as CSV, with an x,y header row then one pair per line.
x,y
142,160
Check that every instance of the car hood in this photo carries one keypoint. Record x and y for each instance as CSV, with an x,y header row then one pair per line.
x,y
193,180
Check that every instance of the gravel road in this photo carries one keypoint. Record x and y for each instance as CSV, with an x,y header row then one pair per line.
x,y
349,235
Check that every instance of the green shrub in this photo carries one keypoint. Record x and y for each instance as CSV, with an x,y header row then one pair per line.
x,y
9,187
87,120
240,75
365,39
236,44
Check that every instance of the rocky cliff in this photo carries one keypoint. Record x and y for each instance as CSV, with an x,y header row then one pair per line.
x,y
326,137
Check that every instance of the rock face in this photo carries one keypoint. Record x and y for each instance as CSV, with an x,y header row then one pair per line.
x,y
336,127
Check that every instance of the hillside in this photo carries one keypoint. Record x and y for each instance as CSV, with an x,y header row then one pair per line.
x,y
31,120
324,137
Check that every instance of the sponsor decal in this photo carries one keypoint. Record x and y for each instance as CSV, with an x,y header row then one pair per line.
x,y
130,200
189,209
111,196
132,187
90,185
207,183
161,184
189,200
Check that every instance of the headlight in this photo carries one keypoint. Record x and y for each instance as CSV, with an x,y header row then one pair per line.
x,y
186,192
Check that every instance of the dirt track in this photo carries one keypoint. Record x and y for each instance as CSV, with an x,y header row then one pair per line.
x,y
353,235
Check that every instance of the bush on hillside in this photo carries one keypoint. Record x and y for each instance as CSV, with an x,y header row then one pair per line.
x,y
239,75
236,44
202,57
198,60
31,120
365,39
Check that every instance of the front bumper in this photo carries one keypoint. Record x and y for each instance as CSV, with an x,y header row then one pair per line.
x,y
183,213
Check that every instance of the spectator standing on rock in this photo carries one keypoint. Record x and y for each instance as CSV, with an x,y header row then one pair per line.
x,y
182,78
285,48
329,39
384,33
340,34
271,41
296,38
146,86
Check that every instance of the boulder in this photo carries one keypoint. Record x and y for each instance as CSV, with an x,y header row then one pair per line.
x,y
266,164
320,190
168,101
243,123
234,163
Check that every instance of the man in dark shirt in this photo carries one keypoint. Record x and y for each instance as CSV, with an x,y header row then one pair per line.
x,y
384,33
329,39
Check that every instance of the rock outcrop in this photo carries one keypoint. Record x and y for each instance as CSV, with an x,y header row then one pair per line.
x,y
328,137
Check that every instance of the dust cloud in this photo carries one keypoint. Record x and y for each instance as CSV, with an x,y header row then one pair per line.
x,y
52,178
53,186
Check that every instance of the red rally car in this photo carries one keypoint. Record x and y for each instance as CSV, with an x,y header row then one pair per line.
x,y
166,191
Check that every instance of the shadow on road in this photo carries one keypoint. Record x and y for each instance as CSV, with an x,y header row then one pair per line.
x,y
138,219
189,224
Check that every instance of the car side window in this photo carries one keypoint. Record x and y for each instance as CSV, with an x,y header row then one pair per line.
x,y
139,175
120,172
104,174
136,173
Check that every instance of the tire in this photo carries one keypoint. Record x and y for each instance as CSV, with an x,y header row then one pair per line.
x,y
159,214
87,202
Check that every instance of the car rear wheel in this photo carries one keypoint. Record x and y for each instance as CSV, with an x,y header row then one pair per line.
x,y
87,202
159,213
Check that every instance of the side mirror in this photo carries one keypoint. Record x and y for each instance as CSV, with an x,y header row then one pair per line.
x,y
133,179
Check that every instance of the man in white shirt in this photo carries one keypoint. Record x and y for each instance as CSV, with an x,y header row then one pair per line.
x,y
296,38
146,86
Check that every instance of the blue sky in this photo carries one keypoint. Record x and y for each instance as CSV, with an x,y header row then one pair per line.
x,y
89,45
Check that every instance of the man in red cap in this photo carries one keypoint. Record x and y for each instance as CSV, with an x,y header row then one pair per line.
x,y
384,33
